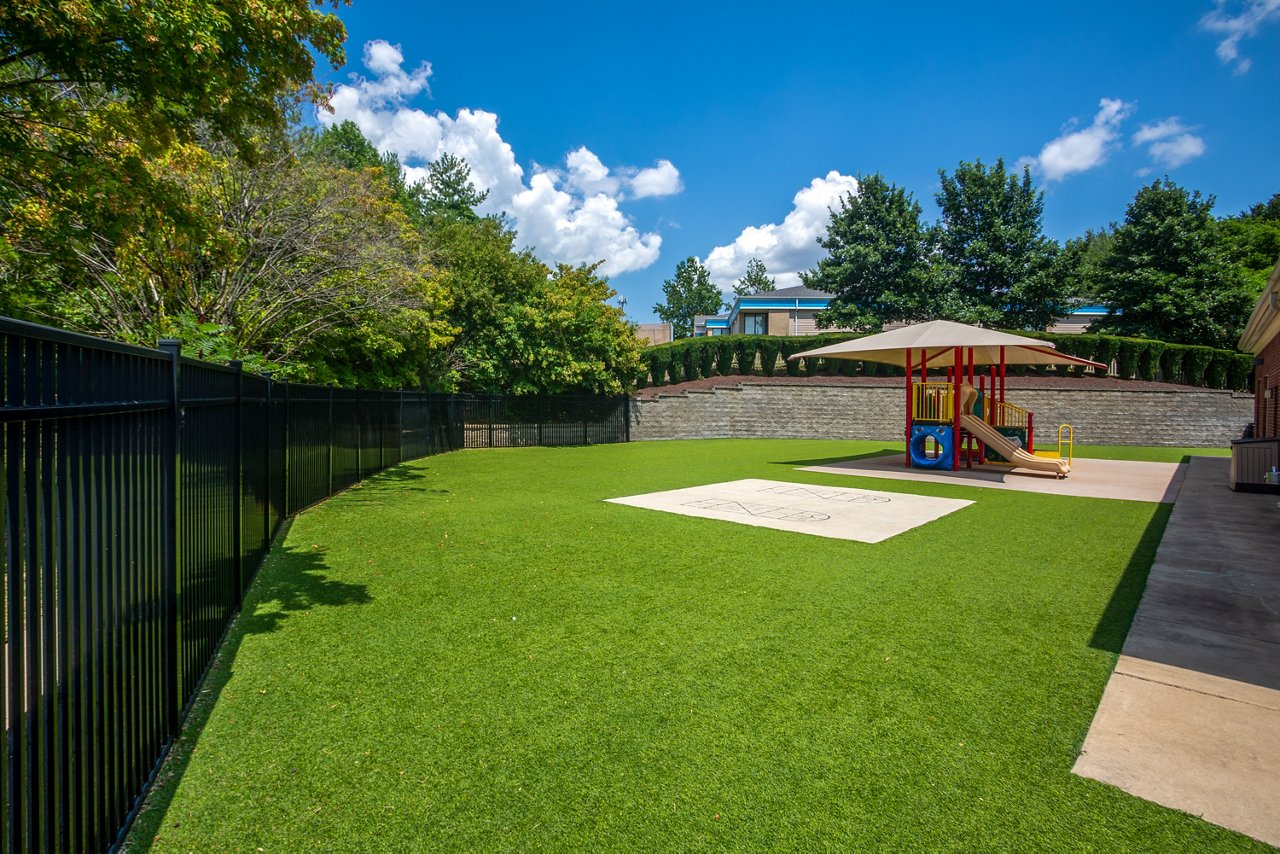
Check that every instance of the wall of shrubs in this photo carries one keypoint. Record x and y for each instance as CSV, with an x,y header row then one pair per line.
x,y
766,355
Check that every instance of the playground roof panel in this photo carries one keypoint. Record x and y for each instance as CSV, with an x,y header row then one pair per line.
x,y
939,338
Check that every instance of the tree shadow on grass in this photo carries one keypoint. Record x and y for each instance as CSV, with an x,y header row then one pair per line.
x,y
1117,617
390,482
291,581
847,458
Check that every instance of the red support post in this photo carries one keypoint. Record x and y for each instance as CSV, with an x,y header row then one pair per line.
x,y
955,411
910,409
1031,432
1002,373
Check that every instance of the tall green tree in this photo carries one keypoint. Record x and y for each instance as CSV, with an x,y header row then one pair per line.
x,y
992,250
522,327
877,261
689,293
1169,276
1076,267
448,192
756,280
1252,241
345,146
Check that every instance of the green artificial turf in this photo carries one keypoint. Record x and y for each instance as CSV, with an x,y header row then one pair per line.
x,y
476,652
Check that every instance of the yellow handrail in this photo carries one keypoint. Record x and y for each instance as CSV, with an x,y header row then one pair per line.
x,y
932,402
1071,441
1008,415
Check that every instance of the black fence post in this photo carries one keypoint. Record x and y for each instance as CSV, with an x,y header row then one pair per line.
x,y
266,466
288,411
328,482
169,544
237,523
359,425
626,415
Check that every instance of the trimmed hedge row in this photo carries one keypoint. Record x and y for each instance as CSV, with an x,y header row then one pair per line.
x,y
767,355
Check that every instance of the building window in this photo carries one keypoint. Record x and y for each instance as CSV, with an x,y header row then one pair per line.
x,y
755,324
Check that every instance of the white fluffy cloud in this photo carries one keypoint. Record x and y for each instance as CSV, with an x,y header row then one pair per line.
x,y
788,247
1236,21
1081,150
1169,142
570,215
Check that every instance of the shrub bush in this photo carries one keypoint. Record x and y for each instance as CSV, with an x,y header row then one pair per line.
x,y
690,351
788,348
1215,375
1171,362
769,347
1240,372
1127,358
1149,360
744,349
1194,362
1106,352
724,356
658,358
707,349
675,368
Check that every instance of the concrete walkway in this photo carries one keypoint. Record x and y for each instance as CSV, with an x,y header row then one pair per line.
x,y
1127,479
1191,716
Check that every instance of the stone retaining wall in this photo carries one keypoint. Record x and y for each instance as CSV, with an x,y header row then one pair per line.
x,y
1177,418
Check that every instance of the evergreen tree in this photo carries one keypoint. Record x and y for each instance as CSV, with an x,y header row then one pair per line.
x,y
877,260
448,192
689,293
756,281
993,252
1169,275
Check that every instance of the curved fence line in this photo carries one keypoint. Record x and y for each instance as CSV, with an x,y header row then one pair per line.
x,y
141,491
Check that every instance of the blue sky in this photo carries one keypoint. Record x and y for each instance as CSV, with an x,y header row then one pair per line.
x,y
644,134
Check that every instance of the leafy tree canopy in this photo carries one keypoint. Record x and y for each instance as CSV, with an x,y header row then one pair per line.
x,y
993,252
1169,276
756,280
877,261
447,192
689,293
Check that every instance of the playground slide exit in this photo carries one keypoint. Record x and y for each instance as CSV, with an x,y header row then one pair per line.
x,y
1010,451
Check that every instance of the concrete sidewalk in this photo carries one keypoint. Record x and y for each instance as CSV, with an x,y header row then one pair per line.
x,y
1191,716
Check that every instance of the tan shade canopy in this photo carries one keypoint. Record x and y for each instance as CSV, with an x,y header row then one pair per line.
x,y
939,338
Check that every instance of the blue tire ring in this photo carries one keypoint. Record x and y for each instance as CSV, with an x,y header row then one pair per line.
x,y
942,435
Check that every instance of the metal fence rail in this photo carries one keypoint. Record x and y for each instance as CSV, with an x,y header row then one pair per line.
x,y
141,490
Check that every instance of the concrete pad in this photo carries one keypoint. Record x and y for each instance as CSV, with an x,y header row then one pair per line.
x,y
1191,716
839,512
1211,756
1124,479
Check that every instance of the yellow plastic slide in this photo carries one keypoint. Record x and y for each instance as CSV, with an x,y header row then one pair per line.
x,y
1001,443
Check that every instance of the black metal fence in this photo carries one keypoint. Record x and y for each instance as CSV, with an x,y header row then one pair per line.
x,y
141,491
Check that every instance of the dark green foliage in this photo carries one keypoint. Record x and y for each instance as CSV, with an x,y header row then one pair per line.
x,y
877,262
1215,375
848,367
724,356
707,349
1168,275
1194,363
1127,358
658,358
1171,362
791,346
770,346
447,192
675,368
1240,371
744,350
1083,346
642,377
1108,347
993,255
688,294
1149,359
756,281
812,365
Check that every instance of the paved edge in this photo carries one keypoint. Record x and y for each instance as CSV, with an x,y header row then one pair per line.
x,y
1190,718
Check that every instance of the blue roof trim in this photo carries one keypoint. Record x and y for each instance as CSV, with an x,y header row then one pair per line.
x,y
757,304
717,323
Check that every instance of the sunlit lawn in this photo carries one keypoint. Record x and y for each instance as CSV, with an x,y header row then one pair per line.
x,y
475,652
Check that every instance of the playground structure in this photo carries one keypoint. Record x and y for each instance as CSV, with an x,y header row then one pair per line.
x,y
964,418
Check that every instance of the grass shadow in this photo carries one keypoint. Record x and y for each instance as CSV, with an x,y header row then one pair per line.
x,y
826,461
290,581
1117,617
